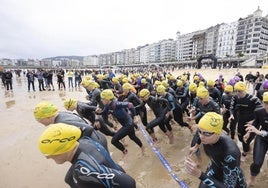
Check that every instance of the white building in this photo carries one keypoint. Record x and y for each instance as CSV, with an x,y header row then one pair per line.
x,y
211,39
252,34
184,45
91,60
227,39
167,50
144,54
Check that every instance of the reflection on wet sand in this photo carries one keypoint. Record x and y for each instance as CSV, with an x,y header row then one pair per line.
x,y
62,94
10,103
32,96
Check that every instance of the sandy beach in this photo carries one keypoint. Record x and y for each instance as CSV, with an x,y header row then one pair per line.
x,y
22,165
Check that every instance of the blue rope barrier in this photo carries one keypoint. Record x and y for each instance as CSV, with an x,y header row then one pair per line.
x,y
162,158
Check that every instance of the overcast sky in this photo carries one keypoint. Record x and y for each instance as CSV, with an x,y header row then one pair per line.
x,y
47,28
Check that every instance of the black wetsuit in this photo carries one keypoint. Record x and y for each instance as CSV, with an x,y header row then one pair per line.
x,y
92,166
120,110
226,102
245,109
183,96
140,109
160,107
94,98
88,112
215,94
87,130
260,143
176,109
224,169
211,106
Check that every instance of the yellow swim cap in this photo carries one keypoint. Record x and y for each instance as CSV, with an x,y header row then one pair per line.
x,y
127,86
84,82
161,89
184,78
107,94
192,87
125,80
70,103
143,81
201,84
210,83
196,78
228,88
165,84
179,83
115,80
88,78
144,93
211,122
240,86
265,97
45,110
58,138
157,83
172,78
202,92
100,77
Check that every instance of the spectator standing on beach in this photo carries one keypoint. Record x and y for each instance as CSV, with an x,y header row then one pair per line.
x,y
50,80
31,78
70,75
60,79
8,80
40,79
77,78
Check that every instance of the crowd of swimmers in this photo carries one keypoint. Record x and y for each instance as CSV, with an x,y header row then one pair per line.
x,y
216,111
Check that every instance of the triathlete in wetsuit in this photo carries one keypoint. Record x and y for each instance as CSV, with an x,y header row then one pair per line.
x,y
95,100
129,96
92,165
123,112
87,111
225,105
224,168
245,104
160,108
47,113
260,128
175,110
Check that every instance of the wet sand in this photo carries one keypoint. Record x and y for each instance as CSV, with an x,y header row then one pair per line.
x,y
22,165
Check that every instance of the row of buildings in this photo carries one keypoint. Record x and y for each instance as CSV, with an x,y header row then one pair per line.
x,y
245,37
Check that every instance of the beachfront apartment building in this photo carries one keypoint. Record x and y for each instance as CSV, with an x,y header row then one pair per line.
x,y
91,60
227,39
252,34
154,52
144,54
129,56
167,50
248,36
211,40
184,45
